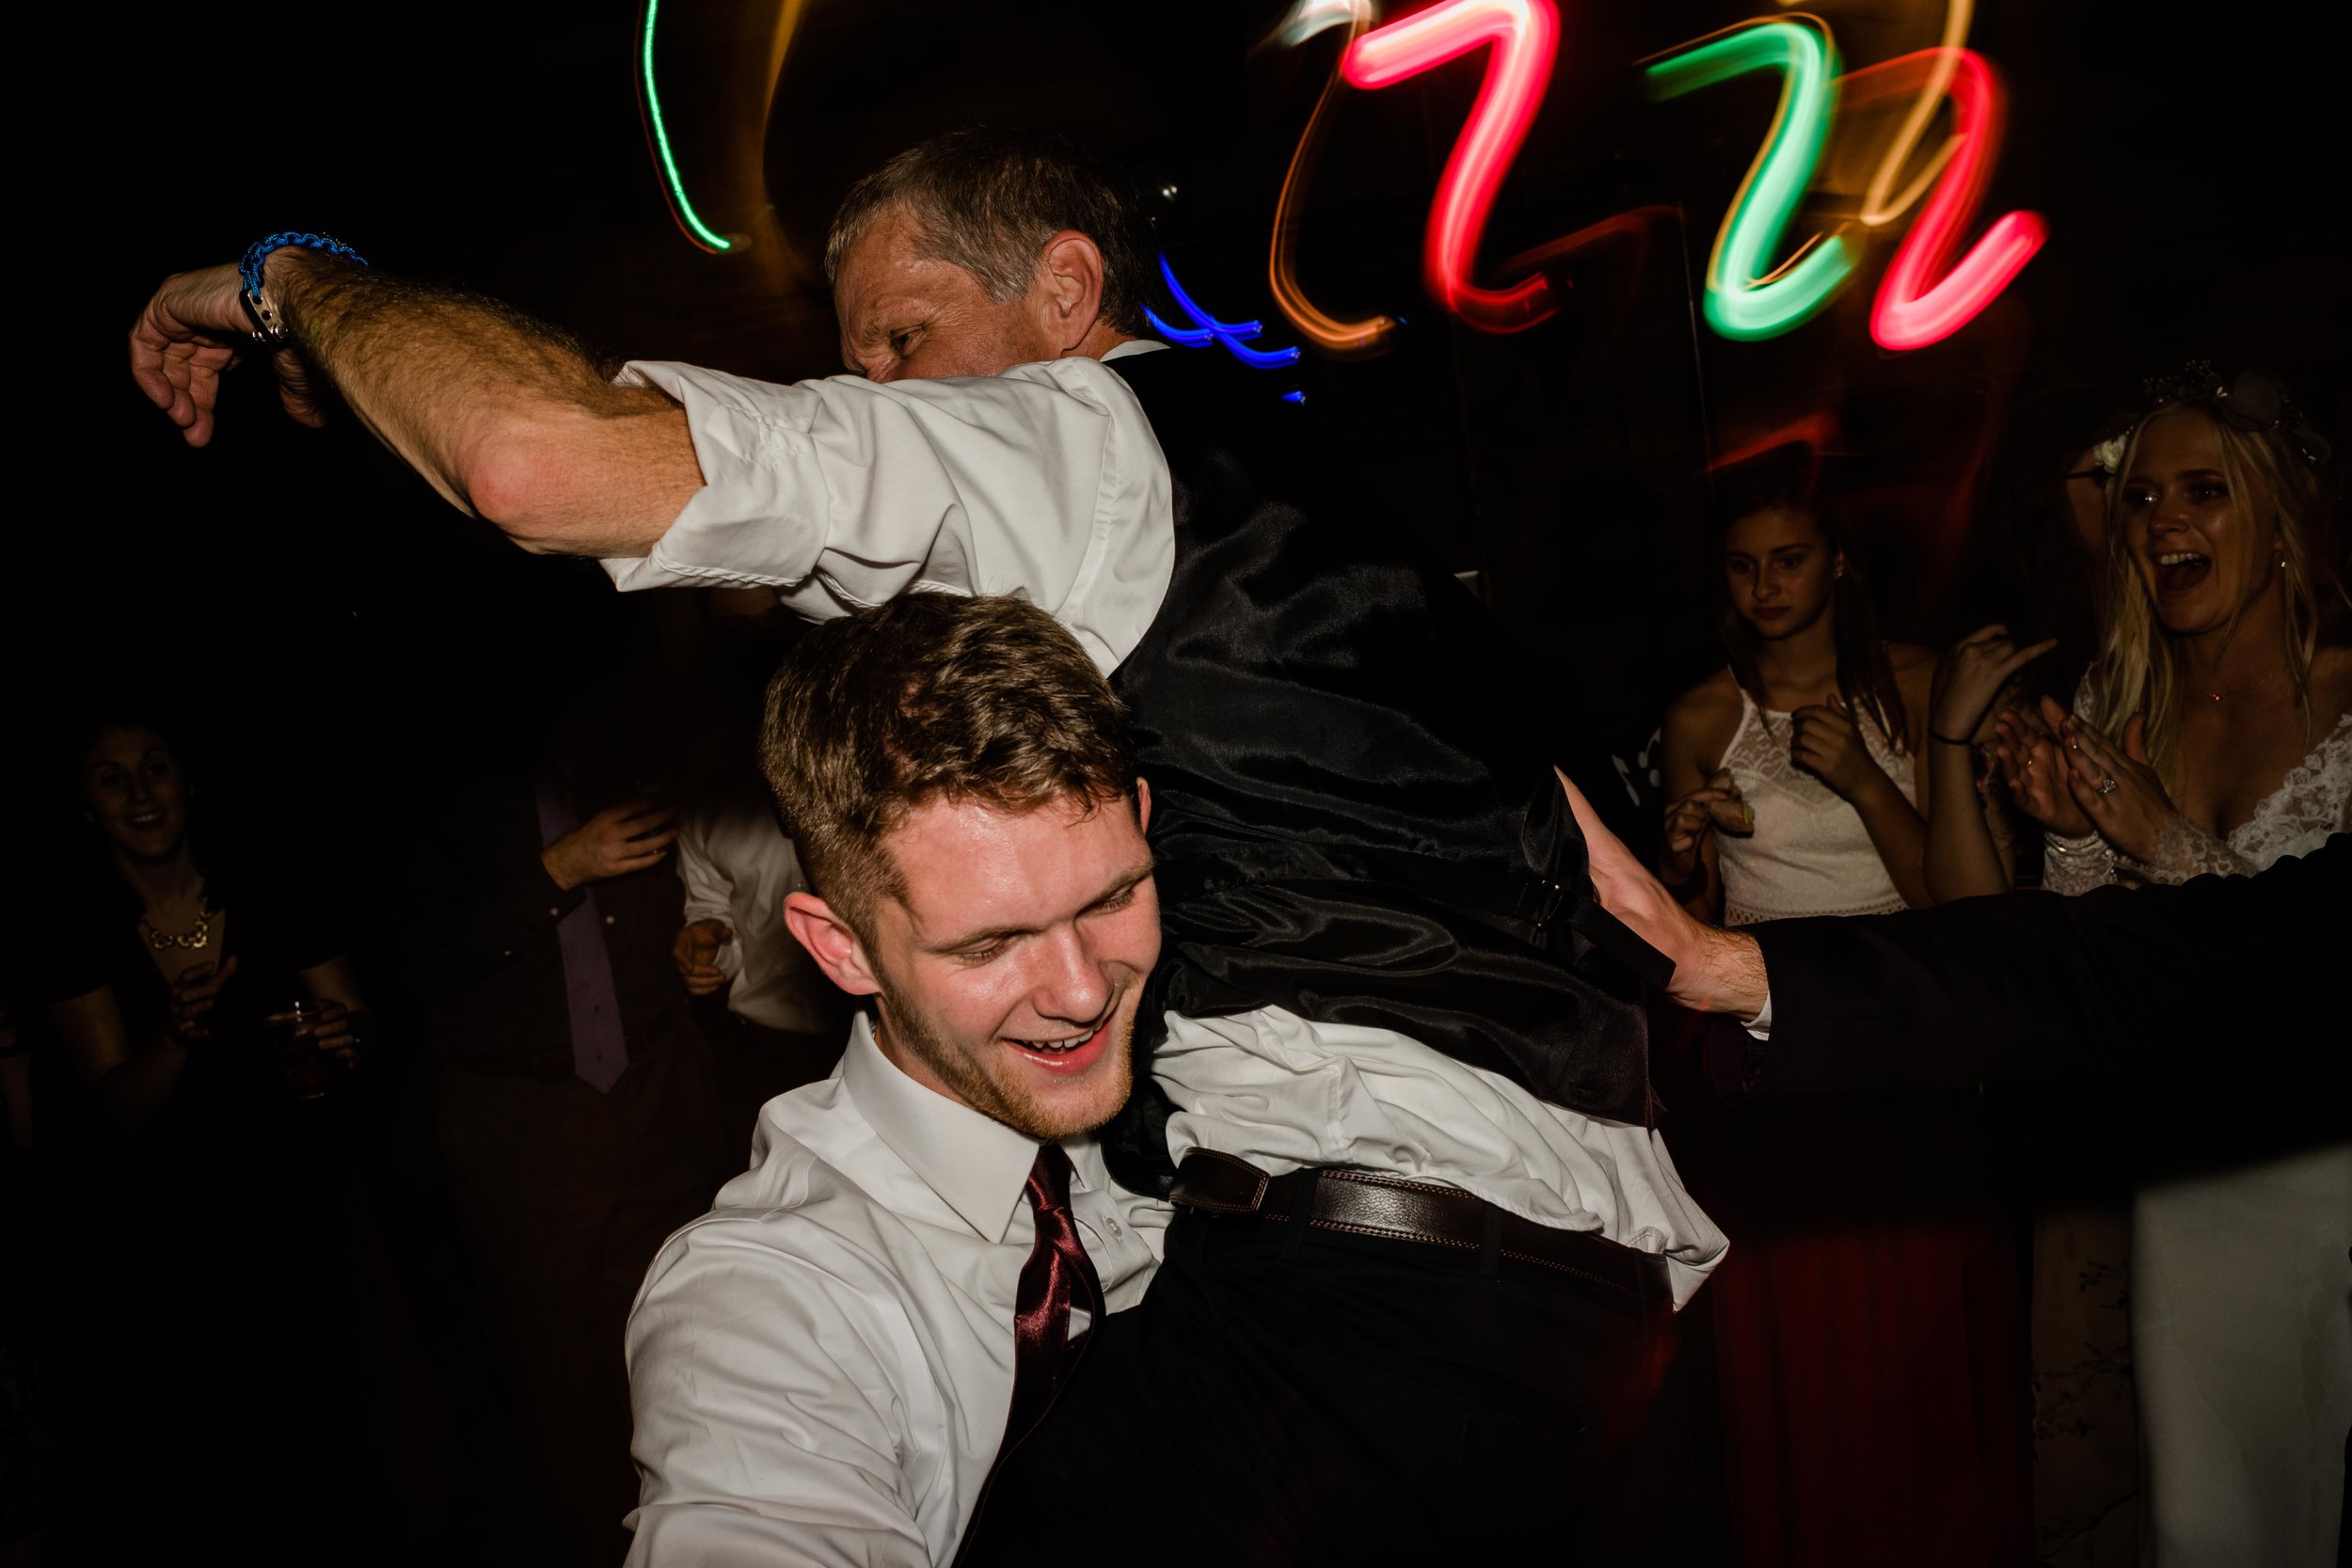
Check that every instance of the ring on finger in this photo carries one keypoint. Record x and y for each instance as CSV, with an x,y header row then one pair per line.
x,y
2106,784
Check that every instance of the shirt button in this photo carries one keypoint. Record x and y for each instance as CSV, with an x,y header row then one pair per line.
x,y
608,920
553,912
1111,1226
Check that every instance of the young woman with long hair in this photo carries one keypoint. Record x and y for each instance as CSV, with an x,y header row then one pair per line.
x,y
1869,1337
2214,737
1795,771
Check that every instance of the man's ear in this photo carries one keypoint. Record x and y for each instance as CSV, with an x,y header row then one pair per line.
x,y
831,942
1143,804
1069,290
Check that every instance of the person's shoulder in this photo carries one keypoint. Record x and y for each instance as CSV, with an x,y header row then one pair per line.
x,y
796,1217
1714,702
1910,661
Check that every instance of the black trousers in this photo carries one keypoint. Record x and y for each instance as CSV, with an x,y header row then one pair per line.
x,y
1287,1395
565,1195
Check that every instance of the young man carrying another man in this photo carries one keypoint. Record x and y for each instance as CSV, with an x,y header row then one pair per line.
x,y
820,1368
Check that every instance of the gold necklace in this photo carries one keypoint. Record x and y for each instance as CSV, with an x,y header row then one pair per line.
x,y
199,935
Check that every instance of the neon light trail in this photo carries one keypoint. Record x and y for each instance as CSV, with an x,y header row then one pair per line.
x,y
1924,297
1745,299
1911,311
673,188
1207,329
1526,35
1878,206
1342,339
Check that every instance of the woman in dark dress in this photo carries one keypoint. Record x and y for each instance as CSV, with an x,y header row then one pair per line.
x,y
228,1217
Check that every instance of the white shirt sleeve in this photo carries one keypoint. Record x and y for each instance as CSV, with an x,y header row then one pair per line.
x,y
710,892
842,493
768,1427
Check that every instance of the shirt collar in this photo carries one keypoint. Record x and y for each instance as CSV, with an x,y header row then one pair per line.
x,y
976,1163
1134,345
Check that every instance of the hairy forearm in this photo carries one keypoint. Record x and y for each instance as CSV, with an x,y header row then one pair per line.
x,y
1962,860
508,417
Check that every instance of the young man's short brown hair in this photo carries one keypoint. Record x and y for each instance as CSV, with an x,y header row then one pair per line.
x,y
932,696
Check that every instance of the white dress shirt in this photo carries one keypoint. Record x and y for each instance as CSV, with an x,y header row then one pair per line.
x,y
840,493
738,865
821,1367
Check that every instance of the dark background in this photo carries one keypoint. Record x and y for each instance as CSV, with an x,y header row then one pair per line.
x,y
328,623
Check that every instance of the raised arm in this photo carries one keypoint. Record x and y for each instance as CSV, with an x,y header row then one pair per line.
x,y
509,419
1967,855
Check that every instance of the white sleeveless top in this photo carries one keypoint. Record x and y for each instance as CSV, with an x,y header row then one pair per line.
x,y
1810,853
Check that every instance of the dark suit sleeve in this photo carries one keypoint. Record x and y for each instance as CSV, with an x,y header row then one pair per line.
x,y
2156,980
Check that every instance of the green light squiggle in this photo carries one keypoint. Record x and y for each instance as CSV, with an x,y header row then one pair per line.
x,y
1746,298
702,232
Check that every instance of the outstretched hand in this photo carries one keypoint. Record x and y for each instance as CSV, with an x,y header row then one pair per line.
x,y
1715,971
2116,787
192,333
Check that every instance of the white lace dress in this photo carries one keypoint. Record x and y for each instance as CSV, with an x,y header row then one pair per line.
x,y
2241,1342
1810,853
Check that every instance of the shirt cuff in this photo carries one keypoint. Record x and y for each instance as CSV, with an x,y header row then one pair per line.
x,y
759,518
1761,1024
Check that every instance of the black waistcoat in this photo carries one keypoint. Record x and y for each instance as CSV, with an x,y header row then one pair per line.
x,y
1350,821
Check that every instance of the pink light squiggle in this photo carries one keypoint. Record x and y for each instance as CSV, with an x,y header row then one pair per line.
x,y
1911,312
1526,35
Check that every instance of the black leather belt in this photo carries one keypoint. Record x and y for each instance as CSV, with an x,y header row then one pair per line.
x,y
1369,1203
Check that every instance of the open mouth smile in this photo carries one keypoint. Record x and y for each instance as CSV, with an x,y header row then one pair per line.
x,y
1072,1053
2178,571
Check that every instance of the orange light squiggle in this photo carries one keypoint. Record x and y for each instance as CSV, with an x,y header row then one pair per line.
x,y
1878,206
1340,339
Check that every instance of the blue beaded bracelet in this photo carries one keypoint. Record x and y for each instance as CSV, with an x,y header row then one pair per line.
x,y
267,329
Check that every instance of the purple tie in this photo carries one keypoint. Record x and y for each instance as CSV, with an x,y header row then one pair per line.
x,y
599,1053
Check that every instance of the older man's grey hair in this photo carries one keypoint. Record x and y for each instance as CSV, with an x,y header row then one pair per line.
x,y
987,200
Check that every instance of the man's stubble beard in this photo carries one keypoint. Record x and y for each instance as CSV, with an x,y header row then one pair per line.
x,y
909,1030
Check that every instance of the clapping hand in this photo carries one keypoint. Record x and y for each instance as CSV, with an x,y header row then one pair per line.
x,y
614,843
1828,744
1970,675
2034,769
2116,787
696,954
193,990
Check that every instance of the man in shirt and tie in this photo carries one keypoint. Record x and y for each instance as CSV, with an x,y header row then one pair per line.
x,y
1399,1035
577,1115
825,1367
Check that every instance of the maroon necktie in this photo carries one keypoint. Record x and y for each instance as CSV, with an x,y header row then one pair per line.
x,y
1056,1275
